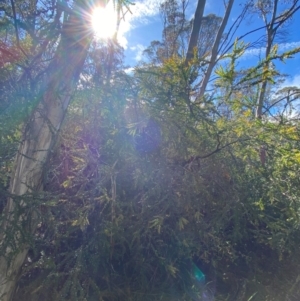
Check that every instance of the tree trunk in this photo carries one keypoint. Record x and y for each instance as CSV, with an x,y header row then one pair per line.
x,y
195,30
271,31
214,51
263,89
39,136
262,94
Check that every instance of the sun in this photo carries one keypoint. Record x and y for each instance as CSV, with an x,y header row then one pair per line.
x,y
104,21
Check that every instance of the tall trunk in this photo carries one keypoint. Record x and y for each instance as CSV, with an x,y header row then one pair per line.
x,y
39,136
271,31
214,51
263,88
272,26
195,30
262,94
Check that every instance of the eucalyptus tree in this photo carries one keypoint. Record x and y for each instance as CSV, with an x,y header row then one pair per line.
x,y
215,50
193,41
59,36
202,36
276,16
175,32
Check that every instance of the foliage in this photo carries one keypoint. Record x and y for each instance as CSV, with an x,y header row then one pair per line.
x,y
128,222
154,193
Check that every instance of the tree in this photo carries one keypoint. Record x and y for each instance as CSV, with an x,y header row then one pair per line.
x,y
174,35
214,51
193,42
274,21
41,130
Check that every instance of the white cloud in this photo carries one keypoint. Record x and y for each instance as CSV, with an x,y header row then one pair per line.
x,y
253,52
141,12
292,82
139,48
282,47
129,70
288,46
146,8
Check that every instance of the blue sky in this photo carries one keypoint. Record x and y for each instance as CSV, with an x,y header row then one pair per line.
x,y
145,25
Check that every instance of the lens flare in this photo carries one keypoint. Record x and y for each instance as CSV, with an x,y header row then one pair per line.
x,y
198,274
104,21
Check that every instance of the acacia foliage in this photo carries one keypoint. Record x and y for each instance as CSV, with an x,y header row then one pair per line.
x,y
145,183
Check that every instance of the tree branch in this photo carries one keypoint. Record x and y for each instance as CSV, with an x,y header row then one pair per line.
x,y
16,27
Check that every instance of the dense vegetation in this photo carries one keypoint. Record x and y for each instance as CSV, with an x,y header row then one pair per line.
x,y
150,191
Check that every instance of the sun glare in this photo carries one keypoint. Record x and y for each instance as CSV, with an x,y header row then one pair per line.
x,y
104,21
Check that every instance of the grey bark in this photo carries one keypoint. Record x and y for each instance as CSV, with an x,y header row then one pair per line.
x,y
214,51
270,39
272,27
195,30
39,136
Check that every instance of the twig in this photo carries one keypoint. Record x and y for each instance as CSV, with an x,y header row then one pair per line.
x,y
16,27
